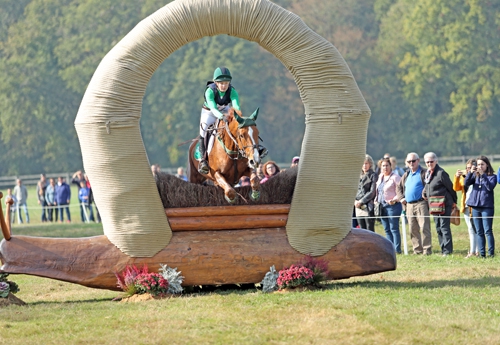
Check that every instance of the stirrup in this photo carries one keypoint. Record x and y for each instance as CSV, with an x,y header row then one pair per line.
x,y
203,167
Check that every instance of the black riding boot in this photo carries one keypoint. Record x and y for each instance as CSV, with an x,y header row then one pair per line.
x,y
203,166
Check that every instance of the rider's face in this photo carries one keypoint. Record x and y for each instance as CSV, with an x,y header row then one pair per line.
x,y
222,85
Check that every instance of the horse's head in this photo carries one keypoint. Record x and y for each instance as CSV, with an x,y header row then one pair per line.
x,y
247,136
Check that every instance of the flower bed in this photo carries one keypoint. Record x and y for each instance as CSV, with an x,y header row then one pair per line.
x,y
139,281
305,275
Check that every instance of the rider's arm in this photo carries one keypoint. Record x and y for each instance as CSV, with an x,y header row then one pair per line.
x,y
235,99
210,97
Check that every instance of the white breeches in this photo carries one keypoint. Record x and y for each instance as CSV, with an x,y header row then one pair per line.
x,y
207,118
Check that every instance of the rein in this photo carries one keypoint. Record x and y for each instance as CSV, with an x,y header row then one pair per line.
x,y
240,152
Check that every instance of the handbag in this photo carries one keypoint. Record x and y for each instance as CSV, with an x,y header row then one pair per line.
x,y
455,216
436,205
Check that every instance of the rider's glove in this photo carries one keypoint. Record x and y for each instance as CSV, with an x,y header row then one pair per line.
x,y
226,120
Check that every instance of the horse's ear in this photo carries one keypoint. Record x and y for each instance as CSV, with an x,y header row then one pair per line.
x,y
255,114
239,119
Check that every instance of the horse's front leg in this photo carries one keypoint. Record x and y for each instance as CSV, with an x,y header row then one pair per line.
x,y
229,192
255,183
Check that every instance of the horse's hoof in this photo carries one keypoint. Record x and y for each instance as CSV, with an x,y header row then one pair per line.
x,y
231,201
255,195
203,170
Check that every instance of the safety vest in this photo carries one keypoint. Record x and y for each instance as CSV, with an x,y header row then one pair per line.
x,y
225,100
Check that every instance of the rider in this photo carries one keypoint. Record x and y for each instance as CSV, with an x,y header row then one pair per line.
x,y
220,95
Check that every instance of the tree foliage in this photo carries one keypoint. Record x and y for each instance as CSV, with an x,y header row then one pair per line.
x,y
428,69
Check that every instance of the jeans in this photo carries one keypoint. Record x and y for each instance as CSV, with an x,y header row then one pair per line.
x,y
25,209
390,221
472,232
50,212
483,222
443,230
44,207
86,212
63,207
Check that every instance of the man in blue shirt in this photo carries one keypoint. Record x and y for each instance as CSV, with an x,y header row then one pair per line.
x,y
409,192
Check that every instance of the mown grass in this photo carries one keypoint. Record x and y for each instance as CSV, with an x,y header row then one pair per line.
x,y
427,300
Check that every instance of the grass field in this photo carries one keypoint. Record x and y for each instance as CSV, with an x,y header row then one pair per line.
x,y
427,300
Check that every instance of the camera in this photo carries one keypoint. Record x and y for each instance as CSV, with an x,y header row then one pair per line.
x,y
474,164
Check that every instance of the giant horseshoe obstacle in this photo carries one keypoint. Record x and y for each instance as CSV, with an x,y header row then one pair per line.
x,y
137,230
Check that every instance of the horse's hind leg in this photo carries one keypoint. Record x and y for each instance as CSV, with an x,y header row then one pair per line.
x,y
255,183
229,192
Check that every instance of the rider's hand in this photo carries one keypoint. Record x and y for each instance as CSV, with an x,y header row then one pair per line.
x,y
226,120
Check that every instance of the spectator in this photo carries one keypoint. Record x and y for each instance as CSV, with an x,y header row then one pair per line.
x,y
155,169
438,183
295,162
483,180
180,174
21,194
459,186
244,181
91,200
410,190
390,205
366,195
83,197
13,208
395,168
270,169
50,199
63,198
377,169
41,186
76,179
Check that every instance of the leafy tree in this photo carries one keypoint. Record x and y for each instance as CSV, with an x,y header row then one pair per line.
x,y
37,111
449,64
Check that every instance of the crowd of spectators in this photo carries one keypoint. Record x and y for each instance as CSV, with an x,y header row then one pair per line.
x,y
54,199
386,191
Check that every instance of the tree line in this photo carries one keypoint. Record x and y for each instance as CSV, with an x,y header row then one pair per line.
x,y
429,70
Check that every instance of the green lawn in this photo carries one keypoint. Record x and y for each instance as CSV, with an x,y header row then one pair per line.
x,y
427,300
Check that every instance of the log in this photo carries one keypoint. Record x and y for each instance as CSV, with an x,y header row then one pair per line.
x,y
5,229
203,257
211,211
238,222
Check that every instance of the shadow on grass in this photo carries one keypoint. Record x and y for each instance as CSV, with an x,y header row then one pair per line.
x,y
89,301
244,289
190,291
432,284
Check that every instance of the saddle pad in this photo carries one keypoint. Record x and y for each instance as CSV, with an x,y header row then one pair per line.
x,y
197,154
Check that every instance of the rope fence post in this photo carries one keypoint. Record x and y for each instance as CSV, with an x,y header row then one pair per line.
x,y
403,222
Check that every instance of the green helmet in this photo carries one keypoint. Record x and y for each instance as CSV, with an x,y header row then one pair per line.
x,y
222,74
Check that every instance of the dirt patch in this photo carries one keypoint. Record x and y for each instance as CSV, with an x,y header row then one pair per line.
x,y
144,297
299,289
11,300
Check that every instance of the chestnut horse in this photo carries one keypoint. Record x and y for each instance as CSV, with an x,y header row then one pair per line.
x,y
235,153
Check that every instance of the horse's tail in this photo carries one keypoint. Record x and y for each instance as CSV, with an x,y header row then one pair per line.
x,y
192,168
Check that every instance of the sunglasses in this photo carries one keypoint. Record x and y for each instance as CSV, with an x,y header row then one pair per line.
x,y
412,161
429,162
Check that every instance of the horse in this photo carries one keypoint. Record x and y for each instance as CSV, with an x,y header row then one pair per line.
x,y
235,153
